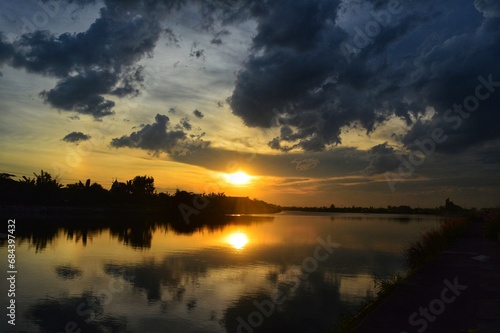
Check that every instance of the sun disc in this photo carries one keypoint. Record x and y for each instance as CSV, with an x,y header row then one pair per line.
x,y
238,178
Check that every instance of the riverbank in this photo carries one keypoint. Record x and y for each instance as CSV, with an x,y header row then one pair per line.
x,y
457,291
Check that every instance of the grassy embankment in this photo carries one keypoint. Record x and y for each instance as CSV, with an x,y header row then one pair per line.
x,y
418,254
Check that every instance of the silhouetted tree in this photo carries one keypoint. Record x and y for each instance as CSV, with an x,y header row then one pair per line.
x,y
28,181
142,186
44,182
120,188
80,193
8,188
6,177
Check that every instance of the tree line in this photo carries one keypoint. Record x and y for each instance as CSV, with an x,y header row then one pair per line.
x,y
139,192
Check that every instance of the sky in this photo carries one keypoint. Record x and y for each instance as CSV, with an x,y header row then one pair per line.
x,y
320,102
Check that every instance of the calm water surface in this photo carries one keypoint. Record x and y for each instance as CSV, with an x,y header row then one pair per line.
x,y
227,279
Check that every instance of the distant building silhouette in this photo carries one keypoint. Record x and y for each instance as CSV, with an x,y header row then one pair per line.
x,y
450,206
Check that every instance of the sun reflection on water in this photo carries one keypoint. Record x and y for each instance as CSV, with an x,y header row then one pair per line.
x,y
238,240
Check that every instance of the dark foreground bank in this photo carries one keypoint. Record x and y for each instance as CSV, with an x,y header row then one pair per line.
x,y
458,291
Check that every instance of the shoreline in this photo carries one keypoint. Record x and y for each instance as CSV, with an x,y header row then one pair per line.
x,y
470,260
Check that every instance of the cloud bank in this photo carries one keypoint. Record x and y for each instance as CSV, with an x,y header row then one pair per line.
x,y
318,66
314,67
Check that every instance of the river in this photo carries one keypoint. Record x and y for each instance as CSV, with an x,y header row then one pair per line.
x,y
288,272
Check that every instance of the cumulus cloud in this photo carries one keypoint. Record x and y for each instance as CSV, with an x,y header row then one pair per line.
x,y
102,61
98,62
76,137
292,78
92,64
161,137
82,94
302,78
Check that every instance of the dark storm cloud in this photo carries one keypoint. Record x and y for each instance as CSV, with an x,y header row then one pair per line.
x,y
312,68
100,61
302,77
383,158
160,137
6,50
292,79
75,137
83,94
461,79
125,32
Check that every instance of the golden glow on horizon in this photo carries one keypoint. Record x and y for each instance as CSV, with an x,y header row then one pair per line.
x,y
238,240
238,178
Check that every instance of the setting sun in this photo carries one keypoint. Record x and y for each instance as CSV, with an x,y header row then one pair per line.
x,y
237,240
238,178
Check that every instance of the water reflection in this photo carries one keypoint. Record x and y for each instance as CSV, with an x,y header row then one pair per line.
x,y
67,272
201,278
238,240
135,236
158,278
296,310
82,313
40,233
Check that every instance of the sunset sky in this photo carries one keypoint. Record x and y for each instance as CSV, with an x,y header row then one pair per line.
x,y
345,102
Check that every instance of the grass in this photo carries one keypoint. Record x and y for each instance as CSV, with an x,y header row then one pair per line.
x,y
434,241
417,254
